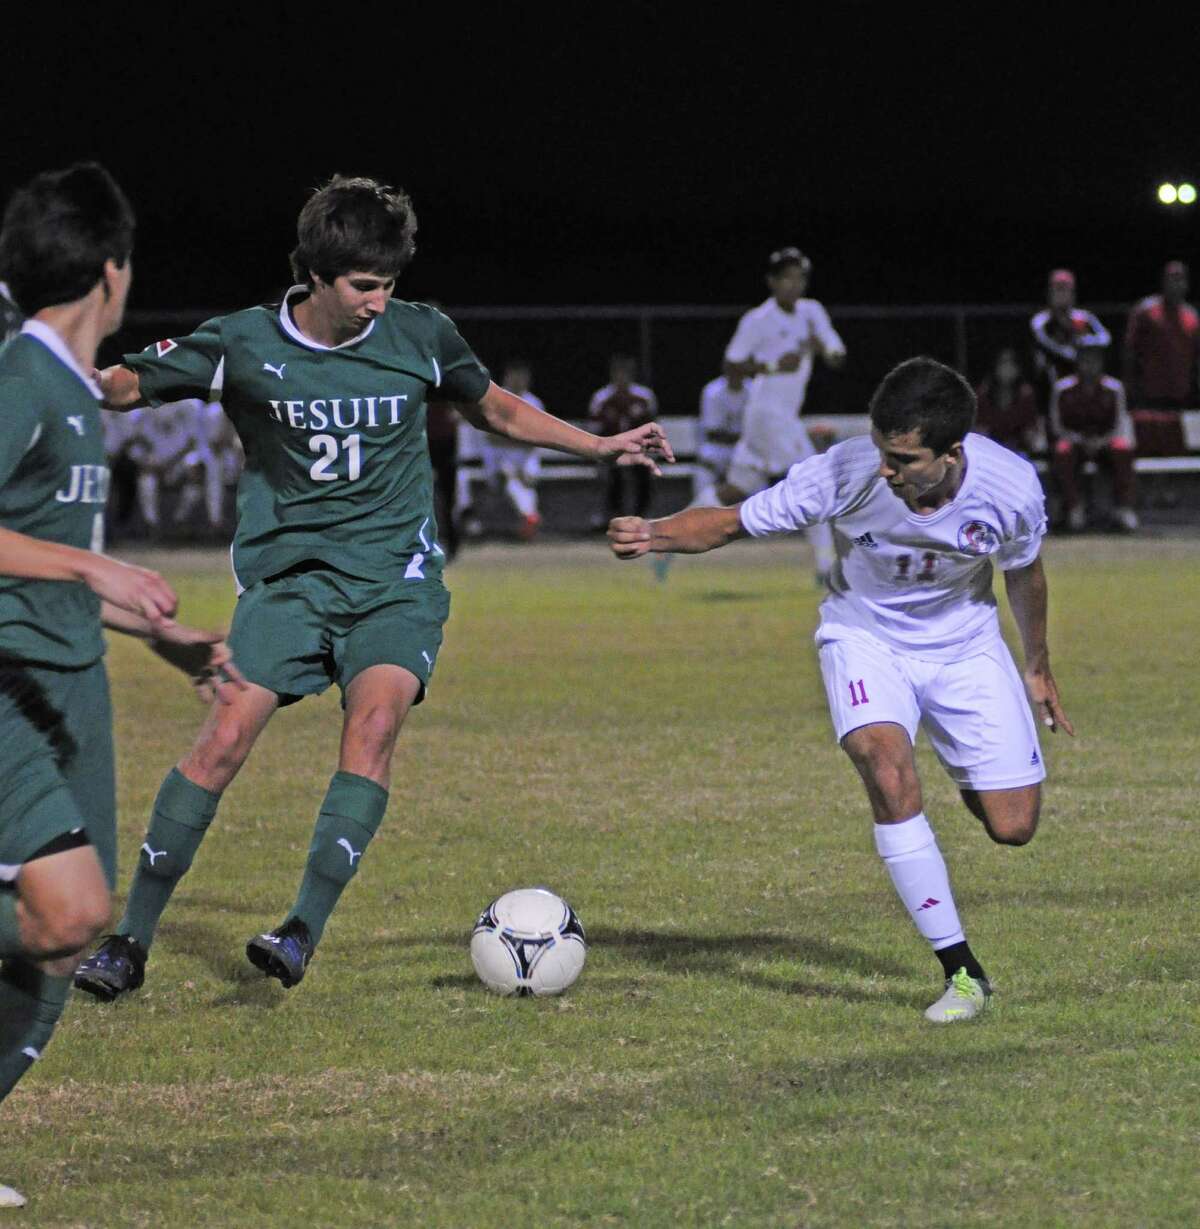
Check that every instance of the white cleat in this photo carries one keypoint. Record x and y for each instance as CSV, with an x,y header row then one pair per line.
x,y
966,997
10,1198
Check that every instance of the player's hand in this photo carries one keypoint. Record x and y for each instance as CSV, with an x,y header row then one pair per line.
x,y
788,362
629,536
204,657
138,590
637,447
1043,692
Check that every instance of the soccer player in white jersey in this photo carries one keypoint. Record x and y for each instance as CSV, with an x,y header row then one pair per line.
x,y
722,412
773,347
513,468
909,635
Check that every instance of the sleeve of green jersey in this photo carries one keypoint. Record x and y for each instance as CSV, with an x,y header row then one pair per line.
x,y
180,367
464,377
22,421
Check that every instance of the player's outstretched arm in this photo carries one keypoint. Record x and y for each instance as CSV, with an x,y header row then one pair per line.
x,y
203,656
504,413
131,588
690,532
121,388
1026,588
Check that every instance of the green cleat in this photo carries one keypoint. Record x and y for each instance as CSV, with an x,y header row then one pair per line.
x,y
965,998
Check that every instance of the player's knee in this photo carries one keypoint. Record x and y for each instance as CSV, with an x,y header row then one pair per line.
x,y
71,927
225,744
374,729
1014,828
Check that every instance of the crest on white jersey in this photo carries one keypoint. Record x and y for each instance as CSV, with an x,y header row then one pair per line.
x,y
977,538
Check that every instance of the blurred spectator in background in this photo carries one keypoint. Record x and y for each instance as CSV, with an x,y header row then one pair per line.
x,y
1008,409
226,447
171,449
442,421
722,409
11,316
1162,346
511,468
1090,422
120,430
621,405
1057,329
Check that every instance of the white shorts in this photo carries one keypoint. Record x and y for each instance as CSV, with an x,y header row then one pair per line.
x,y
975,710
754,466
503,460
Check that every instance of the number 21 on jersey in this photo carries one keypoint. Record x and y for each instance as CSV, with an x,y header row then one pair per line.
x,y
328,448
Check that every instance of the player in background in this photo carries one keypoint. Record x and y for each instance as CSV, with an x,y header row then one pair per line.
x,y
1162,345
909,635
722,414
773,347
1056,331
1090,422
65,249
335,551
172,452
622,405
513,468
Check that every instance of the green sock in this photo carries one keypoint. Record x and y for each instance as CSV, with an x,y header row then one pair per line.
x,y
182,813
30,1004
349,817
10,932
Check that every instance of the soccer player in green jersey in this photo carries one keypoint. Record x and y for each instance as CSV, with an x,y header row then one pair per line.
x,y
65,251
335,552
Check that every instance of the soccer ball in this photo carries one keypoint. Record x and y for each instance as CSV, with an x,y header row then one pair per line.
x,y
528,942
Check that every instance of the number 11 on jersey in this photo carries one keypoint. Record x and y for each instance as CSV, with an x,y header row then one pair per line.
x,y
858,696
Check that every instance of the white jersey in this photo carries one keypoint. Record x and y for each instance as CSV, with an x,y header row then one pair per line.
x,y
170,431
921,584
721,411
766,333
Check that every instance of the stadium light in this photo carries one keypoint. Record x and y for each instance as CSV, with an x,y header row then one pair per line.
x,y
1167,193
1187,194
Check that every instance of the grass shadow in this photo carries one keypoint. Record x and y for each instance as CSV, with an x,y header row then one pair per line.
x,y
727,595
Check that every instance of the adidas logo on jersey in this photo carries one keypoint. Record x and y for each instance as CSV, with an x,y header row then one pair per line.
x,y
866,541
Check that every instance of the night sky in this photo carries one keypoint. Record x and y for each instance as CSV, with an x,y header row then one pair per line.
x,y
634,161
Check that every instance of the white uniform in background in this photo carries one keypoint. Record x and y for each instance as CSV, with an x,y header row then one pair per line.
x,y
721,412
774,437
171,449
228,455
909,632
515,467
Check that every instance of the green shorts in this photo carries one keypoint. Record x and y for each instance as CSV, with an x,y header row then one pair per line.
x,y
56,762
298,632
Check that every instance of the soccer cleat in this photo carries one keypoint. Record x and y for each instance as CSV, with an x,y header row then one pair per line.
x,y
1076,519
283,952
118,967
527,529
661,565
1125,520
10,1198
965,998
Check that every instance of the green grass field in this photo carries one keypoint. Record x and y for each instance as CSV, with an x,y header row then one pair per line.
x,y
746,1045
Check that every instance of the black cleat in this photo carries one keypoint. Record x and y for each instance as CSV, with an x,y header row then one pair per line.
x,y
283,952
118,967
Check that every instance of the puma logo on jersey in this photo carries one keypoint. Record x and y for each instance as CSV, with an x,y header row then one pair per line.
x,y
153,854
428,659
76,420
351,852
275,370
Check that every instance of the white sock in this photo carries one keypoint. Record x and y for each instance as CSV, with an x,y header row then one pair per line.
x,y
911,854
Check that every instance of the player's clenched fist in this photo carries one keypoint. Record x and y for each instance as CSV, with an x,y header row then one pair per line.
x,y
629,536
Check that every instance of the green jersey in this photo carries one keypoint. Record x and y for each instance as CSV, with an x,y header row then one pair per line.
x,y
337,466
53,485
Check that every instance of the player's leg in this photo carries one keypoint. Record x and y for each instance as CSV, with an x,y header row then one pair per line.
x,y
875,711
1119,455
1067,458
59,831
1010,816
384,662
